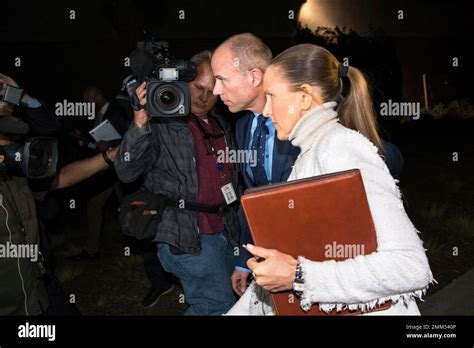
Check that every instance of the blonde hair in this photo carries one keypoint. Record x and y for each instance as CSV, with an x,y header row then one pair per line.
x,y
316,66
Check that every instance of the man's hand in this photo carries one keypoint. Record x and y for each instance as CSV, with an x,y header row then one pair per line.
x,y
276,273
8,80
141,117
103,145
112,153
239,281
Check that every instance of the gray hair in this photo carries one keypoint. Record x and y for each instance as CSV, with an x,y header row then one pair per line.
x,y
202,57
250,51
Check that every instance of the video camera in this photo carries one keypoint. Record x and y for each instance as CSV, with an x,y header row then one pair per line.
x,y
167,80
35,159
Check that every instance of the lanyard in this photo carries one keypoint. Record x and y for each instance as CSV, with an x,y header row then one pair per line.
x,y
209,144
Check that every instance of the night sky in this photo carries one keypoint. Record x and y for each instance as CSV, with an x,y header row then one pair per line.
x,y
60,55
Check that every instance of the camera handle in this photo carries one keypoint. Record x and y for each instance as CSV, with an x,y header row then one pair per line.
x,y
129,86
135,103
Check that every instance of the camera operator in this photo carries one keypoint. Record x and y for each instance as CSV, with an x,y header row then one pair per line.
x,y
25,282
178,158
32,111
28,287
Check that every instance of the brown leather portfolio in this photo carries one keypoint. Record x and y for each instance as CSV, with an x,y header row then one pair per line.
x,y
321,218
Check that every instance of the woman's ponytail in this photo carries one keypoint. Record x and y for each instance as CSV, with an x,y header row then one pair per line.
x,y
356,109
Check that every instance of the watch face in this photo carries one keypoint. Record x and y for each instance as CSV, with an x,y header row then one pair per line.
x,y
298,287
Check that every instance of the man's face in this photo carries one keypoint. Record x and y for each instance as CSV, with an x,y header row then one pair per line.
x,y
233,86
202,100
94,95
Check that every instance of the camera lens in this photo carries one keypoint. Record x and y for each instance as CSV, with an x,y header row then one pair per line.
x,y
167,98
40,158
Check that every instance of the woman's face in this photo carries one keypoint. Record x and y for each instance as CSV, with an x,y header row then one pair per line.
x,y
282,105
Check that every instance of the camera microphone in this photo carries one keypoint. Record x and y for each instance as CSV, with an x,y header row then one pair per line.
x,y
141,63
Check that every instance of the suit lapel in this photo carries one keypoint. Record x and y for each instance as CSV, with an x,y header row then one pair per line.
x,y
281,150
246,128
280,155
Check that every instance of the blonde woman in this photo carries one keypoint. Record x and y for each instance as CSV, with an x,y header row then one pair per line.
x,y
304,99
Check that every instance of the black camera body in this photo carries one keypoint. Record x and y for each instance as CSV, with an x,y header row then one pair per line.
x,y
37,158
167,79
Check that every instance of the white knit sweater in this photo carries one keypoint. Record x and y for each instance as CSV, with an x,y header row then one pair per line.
x,y
398,271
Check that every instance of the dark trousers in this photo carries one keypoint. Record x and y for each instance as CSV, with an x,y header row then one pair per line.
x,y
158,277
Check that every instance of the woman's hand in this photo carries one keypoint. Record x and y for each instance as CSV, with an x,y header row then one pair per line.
x,y
141,117
276,273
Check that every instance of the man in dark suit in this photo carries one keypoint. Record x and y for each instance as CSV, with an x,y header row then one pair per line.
x,y
106,110
239,64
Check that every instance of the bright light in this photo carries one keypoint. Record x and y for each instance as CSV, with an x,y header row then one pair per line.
x,y
316,13
329,13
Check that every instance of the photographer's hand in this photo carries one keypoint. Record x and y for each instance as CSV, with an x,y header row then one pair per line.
x,y
112,153
8,81
25,99
4,81
141,117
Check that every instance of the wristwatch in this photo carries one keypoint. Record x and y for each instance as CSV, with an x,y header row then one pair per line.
x,y
298,283
107,159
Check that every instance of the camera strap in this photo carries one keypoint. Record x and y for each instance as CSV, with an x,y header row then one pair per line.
x,y
142,211
199,207
135,102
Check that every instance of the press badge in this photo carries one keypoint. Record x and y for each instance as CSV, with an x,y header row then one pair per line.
x,y
229,193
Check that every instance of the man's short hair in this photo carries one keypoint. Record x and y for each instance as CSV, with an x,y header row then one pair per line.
x,y
201,58
250,51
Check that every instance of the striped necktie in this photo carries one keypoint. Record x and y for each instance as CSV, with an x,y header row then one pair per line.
x,y
258,148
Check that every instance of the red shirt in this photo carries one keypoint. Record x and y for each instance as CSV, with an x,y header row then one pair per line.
x,y
211,175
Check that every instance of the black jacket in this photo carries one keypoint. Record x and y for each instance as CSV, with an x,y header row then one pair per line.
x,y
17,205
165,154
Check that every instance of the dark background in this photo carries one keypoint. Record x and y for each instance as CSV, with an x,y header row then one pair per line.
x,y
60,57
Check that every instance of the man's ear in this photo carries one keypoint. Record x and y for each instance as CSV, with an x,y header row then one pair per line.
x,y
257,76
